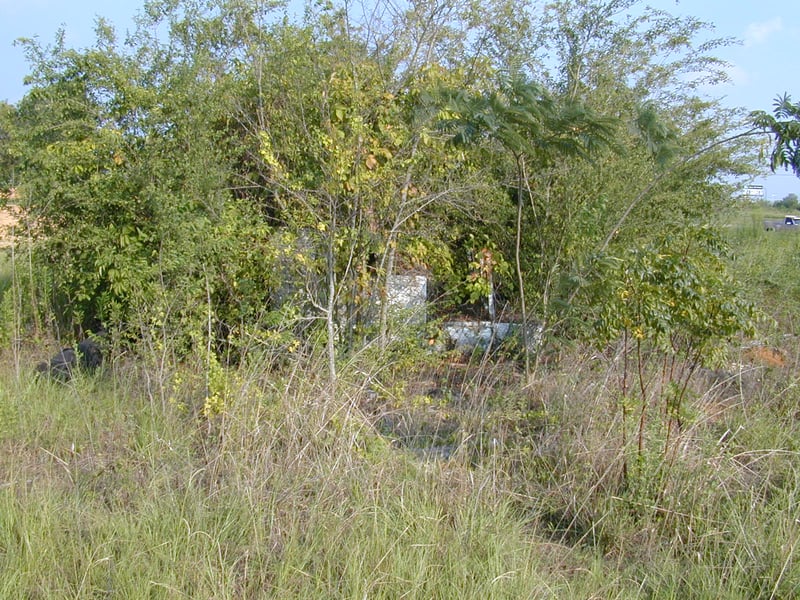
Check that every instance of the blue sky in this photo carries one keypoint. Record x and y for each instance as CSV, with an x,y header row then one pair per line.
x,y
763,65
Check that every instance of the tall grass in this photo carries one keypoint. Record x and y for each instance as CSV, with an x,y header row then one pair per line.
x,y
106,493
424,477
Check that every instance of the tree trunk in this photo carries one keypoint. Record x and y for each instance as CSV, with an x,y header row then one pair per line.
x,y
518,260
330,311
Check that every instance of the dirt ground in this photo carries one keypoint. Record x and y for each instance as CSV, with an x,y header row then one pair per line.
x,y
9,217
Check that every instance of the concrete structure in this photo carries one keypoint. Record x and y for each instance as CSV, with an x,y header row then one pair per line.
x,y
408,295
467,336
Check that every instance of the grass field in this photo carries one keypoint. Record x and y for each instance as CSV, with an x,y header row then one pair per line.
x,y
121,485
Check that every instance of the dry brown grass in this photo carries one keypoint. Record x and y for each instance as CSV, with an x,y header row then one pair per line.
x,y
764,356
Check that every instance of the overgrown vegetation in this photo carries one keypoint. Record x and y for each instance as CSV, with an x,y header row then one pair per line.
x,y
227,195
426,478
226,161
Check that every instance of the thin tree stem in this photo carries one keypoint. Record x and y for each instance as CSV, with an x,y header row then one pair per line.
x,y
518,260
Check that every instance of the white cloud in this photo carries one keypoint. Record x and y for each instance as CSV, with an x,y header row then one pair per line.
x,y
758,33
737,75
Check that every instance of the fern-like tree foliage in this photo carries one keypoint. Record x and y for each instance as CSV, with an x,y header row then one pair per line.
x,y
784,125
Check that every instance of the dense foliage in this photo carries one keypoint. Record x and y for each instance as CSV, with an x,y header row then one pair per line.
x,y
227,193
228,167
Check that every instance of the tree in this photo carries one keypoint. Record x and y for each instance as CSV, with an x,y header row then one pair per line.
x,y
668,307
319,138
789,202
534,128
125,160
784,126
675,154
8,166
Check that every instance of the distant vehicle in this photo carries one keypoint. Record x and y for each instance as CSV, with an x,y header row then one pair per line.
x,y
789,222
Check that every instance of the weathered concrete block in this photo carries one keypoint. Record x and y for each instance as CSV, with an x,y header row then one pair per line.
x,y
467,336
408,294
